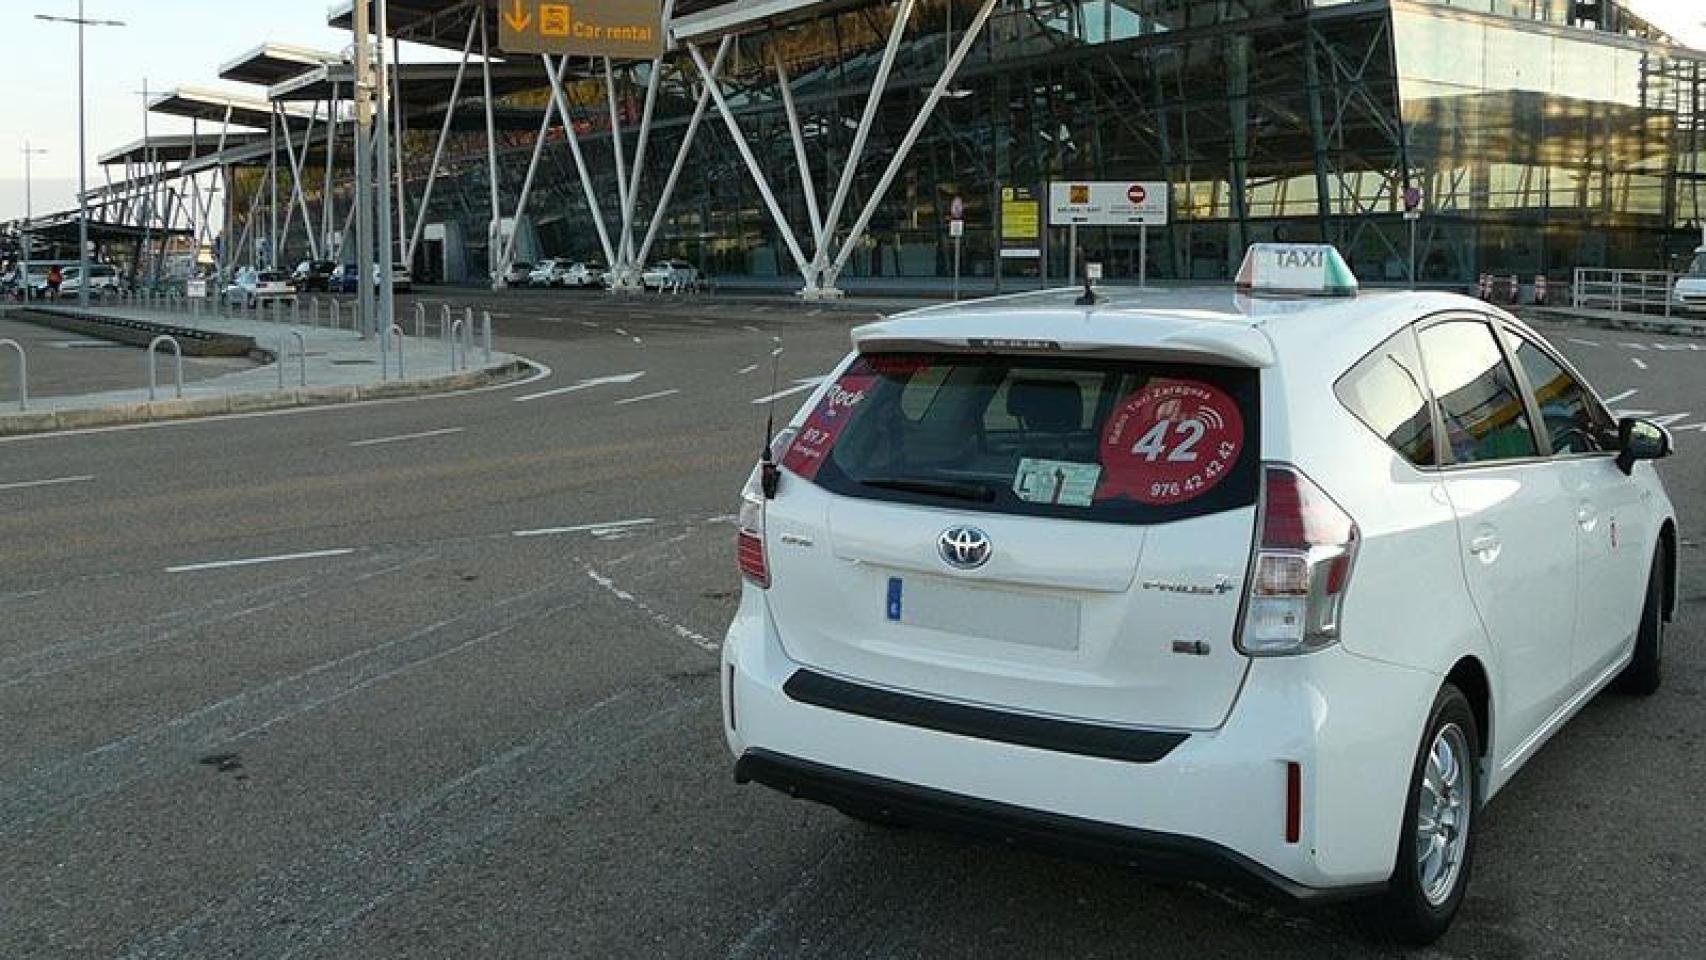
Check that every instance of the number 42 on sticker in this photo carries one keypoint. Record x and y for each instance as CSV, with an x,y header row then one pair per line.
x,y
1153,444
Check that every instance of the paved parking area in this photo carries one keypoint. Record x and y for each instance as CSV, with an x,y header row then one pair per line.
x,y
437,678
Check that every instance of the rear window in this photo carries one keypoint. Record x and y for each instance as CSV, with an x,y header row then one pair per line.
x,y
272,276
1109,441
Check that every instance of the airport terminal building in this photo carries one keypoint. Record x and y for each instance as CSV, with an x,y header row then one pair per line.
x,y
1532,136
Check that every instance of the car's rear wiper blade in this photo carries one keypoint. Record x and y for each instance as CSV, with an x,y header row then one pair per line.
x,y
958,490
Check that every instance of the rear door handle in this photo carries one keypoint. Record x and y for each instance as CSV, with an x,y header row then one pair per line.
x,y
1587,517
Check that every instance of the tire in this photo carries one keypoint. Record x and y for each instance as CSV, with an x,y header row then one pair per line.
x,y
1642,676
1414,910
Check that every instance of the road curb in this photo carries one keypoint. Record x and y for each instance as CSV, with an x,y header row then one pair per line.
x,y
120,414
1635,322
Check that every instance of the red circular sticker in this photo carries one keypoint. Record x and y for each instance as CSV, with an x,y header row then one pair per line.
x,y
1137,194
1170,442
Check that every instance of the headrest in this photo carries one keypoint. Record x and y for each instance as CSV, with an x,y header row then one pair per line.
x,y
1046,406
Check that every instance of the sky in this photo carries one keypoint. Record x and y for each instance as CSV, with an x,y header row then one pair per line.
x,y
170,43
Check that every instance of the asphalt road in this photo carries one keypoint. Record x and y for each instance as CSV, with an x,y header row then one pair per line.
x,y
450,733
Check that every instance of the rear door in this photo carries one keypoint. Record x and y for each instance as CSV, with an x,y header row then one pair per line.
x,y
1515,520
1063,537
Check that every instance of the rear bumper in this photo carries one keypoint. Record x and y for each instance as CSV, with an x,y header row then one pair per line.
x,y
1154,853
1211,805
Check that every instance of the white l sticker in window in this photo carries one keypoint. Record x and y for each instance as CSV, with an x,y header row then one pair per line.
x,y
1060,482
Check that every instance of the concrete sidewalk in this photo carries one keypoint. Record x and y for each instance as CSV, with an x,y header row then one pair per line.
x,y
301,365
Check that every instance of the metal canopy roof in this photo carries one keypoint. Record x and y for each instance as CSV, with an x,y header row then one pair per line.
x,y
274,63
423,86
211,106
176,147
701,20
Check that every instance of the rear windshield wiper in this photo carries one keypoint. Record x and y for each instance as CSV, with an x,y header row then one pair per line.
x,y
957,490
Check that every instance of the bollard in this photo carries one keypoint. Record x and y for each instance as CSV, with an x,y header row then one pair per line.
x,y
486,323
301,357
177,352
456,338
23,373
295,311
313,311
1516,289
1540,289
397,331
337,318
444,321
420,320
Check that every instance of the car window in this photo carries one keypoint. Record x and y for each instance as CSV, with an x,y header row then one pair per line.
x,y
1099,440
1483,412
1575,421
1385,392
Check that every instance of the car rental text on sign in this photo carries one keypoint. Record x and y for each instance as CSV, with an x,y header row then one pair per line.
x,y
630,29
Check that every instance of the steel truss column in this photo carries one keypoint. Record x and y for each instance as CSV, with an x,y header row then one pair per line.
x,y
580,160
949,72
443,138
807,184
329,200
533,165
627,272
681,152
752,165
299,196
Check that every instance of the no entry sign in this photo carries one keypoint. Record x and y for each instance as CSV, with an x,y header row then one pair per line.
x,y
1111,203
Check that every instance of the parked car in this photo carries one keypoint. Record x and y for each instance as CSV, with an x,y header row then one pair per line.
x,y
518,275
670,275
584,273
1690,290
253,287
342,279
313,276
104,278
1280,584
549,273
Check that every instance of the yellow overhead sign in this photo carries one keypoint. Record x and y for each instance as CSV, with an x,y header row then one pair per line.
x,y
587,28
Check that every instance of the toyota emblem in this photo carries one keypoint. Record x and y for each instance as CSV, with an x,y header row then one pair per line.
x,y
966,548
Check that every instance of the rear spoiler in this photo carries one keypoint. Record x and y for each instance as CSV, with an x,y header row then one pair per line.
x,y
1151,337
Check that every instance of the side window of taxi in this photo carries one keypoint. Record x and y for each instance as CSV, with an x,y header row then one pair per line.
x,y
1575,421
1482,410
1385,392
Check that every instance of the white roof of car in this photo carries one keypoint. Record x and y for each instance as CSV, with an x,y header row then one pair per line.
x,y
1212,324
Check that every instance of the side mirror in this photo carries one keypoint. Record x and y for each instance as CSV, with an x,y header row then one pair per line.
x,y
1639,439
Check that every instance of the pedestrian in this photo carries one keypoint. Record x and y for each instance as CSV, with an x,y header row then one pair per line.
x,y
54,278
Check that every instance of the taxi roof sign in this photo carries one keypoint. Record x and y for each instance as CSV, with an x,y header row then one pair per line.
x,y
1313,269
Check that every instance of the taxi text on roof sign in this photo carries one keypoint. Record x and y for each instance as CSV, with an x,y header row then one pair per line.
x,y
1300,268
630,29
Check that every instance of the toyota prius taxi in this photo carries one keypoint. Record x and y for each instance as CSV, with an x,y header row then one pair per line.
x,y
1276,584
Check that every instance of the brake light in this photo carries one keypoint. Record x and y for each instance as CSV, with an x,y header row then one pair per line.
x,y
1302,569
760,488
749,538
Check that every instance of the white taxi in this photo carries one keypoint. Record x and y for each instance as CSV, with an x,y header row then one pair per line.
x,y
1254,585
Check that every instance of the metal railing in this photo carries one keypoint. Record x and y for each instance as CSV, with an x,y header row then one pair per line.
x,y
1638,291
284,356
177,352
23,373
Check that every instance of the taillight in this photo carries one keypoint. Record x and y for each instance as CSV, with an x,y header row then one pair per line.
x,y
760,487
749,540
1302,569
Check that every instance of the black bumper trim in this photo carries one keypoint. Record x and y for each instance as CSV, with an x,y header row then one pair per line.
x,y
1062,736
1149,851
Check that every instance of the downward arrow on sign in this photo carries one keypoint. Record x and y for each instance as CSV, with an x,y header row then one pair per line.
x,y
519,17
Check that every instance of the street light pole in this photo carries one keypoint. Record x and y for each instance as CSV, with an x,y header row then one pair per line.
x,y
29,215
82,152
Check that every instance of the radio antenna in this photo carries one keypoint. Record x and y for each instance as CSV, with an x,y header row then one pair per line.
x,y
770,475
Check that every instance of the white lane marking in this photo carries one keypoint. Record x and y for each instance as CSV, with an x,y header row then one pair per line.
x,y
1699,427
584,528
1671,418
540,372
1638,362
622,333
583,385
692,636
447,431
1585,343
57,481
589,323
1628,412
743,371
1622,396
751,328
809,383
650,396
1634,346
255,561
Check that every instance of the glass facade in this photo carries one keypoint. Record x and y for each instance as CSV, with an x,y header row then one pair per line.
x,y
1537,145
